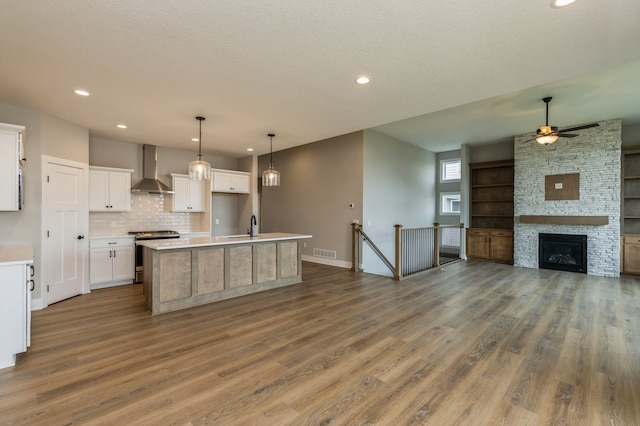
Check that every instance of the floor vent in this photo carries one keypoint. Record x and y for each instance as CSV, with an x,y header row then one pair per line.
x,y
329,254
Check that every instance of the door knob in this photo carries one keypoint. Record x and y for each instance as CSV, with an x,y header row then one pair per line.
x,y
81,237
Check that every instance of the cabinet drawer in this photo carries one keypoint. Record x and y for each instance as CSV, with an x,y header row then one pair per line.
x,y
501,233
477,232
632,240
110,242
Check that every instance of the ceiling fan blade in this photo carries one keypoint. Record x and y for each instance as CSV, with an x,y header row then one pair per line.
x,y
567,135
586,126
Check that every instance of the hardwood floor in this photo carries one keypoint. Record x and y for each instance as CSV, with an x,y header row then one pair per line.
x,y
475,343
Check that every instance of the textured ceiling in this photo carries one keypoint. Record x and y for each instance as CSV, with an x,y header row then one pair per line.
x,y
460,71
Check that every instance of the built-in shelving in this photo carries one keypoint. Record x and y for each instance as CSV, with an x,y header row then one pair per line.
x,y
492,195
631,192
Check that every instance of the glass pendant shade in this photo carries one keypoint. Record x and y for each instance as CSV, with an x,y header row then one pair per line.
x,y
271,177
199,169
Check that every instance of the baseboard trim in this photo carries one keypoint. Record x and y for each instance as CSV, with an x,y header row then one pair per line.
x,y
323,261
36,304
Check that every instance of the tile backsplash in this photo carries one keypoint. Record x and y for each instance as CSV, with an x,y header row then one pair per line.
x,y
148,213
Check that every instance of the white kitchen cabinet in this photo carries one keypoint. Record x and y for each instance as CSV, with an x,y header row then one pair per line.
x,y
109,189
189,194
10,172
230,181
15,307
111,261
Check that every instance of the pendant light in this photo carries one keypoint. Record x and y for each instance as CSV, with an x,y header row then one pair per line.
x,y
271,177
198,169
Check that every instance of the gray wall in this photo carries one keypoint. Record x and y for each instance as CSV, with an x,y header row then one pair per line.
x,y
45,135
399,188
247,205
318,181
631,136
500,150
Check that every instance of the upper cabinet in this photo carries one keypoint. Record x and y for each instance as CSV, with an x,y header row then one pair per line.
x,y
230,181
109,189
10,171
189,194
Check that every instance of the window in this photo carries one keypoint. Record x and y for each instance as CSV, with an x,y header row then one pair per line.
x,y
450,203
450,170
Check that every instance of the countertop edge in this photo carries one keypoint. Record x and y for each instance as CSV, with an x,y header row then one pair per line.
x,y
183,243
16,255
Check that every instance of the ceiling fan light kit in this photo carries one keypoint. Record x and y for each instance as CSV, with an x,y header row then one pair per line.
x,y
546,135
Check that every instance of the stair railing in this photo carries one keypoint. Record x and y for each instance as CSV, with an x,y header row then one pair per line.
x,y
416,249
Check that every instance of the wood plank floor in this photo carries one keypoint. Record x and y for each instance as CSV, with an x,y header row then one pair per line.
x,y
474,343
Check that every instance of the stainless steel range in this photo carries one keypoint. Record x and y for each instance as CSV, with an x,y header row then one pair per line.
x,y
148,235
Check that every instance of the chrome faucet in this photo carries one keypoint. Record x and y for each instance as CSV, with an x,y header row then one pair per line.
x,y
253,223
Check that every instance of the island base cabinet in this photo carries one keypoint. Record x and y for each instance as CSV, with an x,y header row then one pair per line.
x,y
210,270
175,272
15,313
181,278
240,266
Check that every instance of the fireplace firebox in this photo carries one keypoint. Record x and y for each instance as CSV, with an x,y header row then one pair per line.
x,y
562,252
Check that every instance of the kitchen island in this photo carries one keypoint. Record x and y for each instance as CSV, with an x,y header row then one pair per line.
x,y
185,272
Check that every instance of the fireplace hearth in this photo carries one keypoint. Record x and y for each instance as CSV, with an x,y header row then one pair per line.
x,y
562,252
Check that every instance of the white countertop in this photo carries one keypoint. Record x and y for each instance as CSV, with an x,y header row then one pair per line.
x,y
16,254
176,243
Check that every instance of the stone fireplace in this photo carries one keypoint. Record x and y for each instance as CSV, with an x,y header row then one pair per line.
x,y
595,157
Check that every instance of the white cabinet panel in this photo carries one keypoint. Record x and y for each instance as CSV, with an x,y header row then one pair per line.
x,y
14,312
123,263
230,181
109,189
189,194
111,261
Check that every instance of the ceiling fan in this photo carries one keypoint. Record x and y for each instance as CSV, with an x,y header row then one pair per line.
x,y
547,135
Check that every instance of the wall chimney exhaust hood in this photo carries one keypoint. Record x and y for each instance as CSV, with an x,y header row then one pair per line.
x,y
149,182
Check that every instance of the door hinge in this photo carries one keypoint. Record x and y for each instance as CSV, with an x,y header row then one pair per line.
x,y
47,178
47,234
47,288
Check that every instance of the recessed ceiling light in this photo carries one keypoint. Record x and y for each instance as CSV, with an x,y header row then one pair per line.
x,y
250,149
121,126
362,80
561,3
195,140
81,92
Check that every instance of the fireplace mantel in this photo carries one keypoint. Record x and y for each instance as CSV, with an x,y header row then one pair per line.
x,y
566,220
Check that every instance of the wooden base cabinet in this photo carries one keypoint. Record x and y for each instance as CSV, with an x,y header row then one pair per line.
x,y
630,263
490,244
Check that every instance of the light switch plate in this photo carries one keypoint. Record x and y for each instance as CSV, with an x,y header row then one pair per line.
x,y
558,185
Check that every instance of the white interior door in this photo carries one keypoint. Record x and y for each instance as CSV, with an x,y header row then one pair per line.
x,y
65,243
